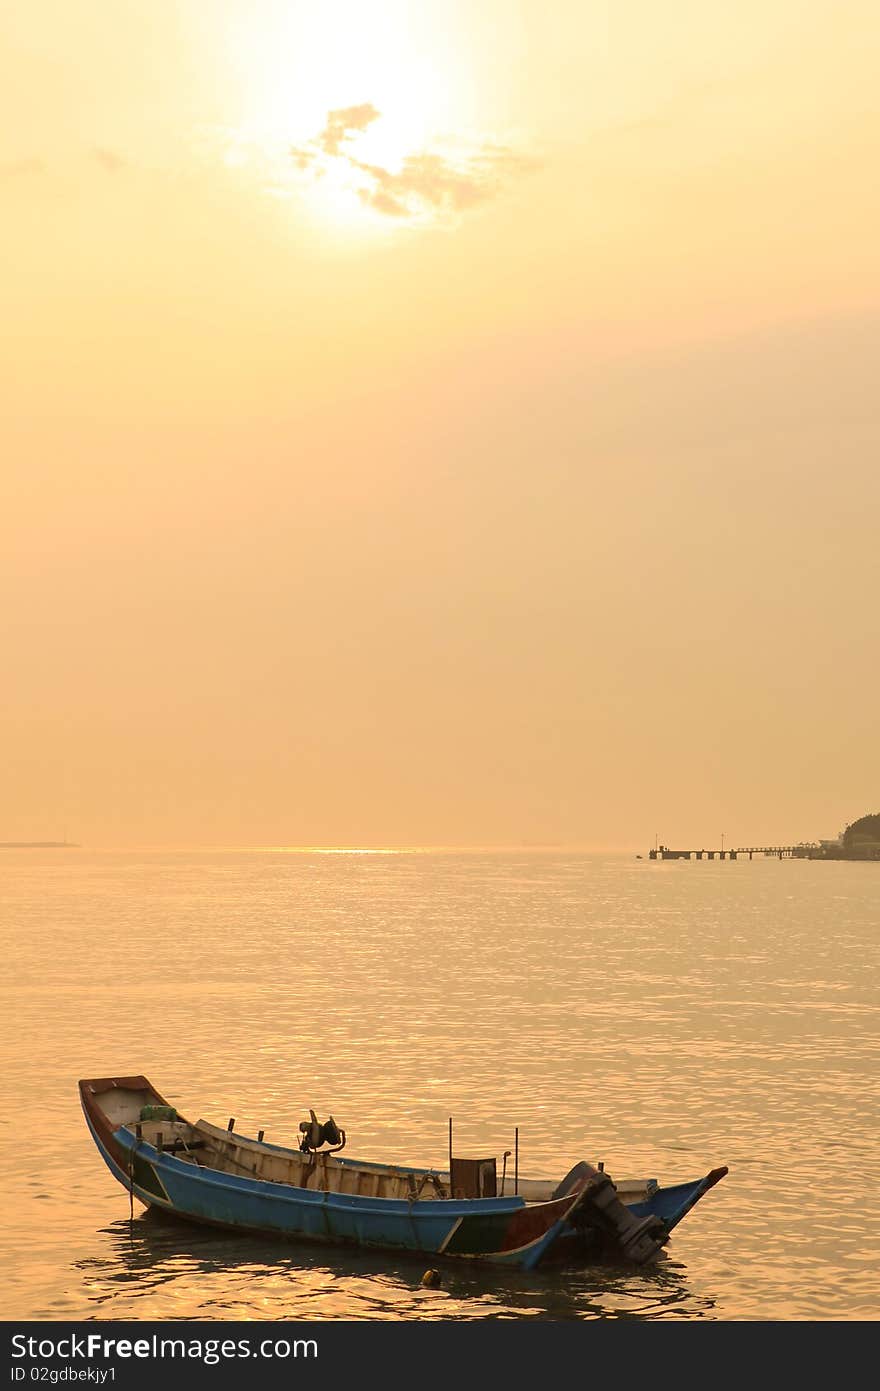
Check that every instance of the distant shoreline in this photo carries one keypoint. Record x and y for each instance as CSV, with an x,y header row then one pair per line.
x,y
38,845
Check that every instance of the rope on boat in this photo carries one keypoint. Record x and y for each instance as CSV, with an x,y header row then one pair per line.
x,y
131,1187
189,1151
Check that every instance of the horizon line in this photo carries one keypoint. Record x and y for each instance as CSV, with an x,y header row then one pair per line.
x,y
353,848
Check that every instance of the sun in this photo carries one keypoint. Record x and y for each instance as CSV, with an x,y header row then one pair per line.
x,y
293,64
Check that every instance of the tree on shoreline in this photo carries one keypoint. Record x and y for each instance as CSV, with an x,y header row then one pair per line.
x,y
865,830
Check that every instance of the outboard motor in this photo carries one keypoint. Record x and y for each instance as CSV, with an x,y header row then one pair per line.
x,y
637,1238
314,1135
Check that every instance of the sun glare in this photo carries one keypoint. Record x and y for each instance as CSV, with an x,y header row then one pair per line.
x,y
293,66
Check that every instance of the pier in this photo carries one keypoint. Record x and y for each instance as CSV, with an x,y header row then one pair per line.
x,y
780,852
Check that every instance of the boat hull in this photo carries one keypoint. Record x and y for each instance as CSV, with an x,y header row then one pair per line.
x,y
503,1231
589,1219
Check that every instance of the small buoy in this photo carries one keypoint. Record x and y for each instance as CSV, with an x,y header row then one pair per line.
x,y
431,1279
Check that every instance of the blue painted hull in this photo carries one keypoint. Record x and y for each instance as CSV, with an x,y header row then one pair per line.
x,y
290,1199
674,1203
501,1230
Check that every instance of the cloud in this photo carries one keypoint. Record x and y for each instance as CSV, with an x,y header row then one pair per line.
x,y
344,123
20,168
433,183
304,157
108,160
426,183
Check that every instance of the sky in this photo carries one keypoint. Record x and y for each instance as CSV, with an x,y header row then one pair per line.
x,y
439,424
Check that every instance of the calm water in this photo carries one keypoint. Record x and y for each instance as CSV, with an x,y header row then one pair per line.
x,y
663,1018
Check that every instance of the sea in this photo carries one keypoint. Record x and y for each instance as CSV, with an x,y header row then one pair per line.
x,y
662,1018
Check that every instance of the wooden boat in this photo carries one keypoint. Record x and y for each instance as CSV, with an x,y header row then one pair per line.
x,y
204,1173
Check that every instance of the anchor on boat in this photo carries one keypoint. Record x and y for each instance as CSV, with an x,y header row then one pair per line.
x,y
314,1135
